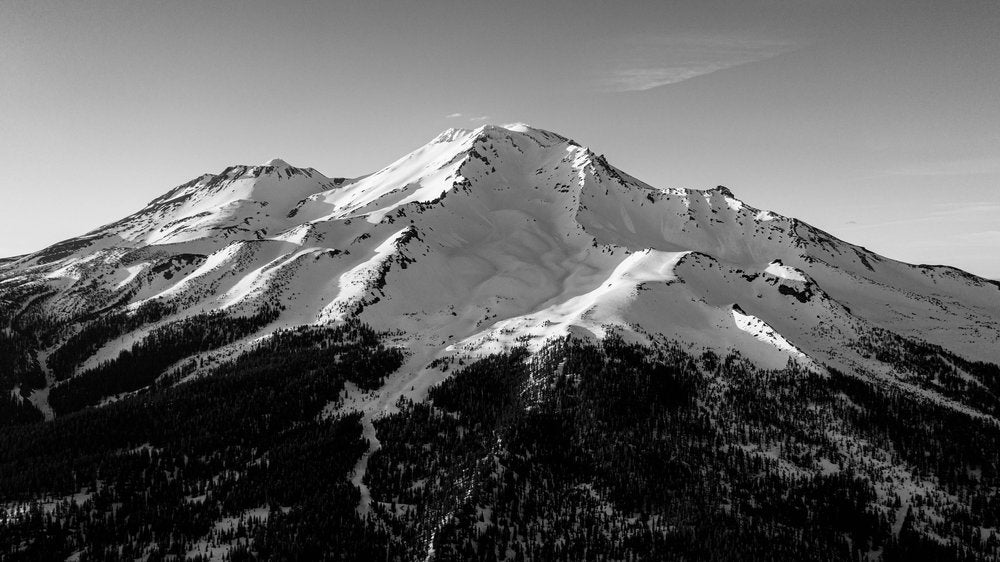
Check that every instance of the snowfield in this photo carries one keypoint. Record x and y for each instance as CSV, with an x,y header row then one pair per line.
x,y
500,236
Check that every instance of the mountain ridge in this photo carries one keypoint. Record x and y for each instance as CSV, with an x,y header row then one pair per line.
x,y
403,364
546,191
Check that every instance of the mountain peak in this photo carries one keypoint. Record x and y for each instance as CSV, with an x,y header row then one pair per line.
x,y
541,136
574,282
451,135
491,209
723,190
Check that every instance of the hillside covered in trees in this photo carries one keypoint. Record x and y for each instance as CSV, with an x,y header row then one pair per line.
x,y
584,451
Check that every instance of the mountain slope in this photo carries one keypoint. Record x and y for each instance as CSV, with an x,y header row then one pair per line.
x,y
485,236
509,240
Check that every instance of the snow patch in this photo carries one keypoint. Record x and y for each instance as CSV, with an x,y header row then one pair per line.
x,y
132,272
763,332
777,269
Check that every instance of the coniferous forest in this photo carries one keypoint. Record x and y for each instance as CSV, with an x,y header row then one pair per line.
x,y
584,450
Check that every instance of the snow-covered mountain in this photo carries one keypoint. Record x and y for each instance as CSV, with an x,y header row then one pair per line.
x,y
500,322
486,237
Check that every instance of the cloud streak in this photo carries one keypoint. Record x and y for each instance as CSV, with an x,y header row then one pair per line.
x,y
948,212
956,167
473,118
986,238
654,61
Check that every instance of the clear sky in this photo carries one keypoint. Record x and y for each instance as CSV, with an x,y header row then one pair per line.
x,y
876,121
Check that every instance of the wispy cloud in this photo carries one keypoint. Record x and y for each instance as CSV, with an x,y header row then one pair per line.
x,y
473,118
653,61
946,212
988,238
953,167
965,208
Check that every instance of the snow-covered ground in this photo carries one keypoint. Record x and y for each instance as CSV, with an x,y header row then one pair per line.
x,y
499,236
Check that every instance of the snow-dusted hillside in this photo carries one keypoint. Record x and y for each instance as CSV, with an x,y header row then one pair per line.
x,y
488,237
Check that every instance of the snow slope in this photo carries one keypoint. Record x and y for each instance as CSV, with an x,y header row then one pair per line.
x,y
497,236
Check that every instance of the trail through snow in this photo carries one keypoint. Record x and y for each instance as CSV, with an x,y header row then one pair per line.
x,y
40,397
411,381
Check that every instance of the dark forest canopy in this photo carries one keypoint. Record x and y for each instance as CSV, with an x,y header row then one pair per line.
x,y
582,451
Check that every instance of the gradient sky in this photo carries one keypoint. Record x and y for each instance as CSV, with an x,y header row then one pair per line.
x,y
876,121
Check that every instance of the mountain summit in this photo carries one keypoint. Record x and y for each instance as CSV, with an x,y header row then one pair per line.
x,y
499,346
490,236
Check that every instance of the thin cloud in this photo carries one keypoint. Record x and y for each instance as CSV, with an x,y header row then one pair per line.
x,y
959,208
958,167
653,61
897,222
948,212
480,118
987,238
452,115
